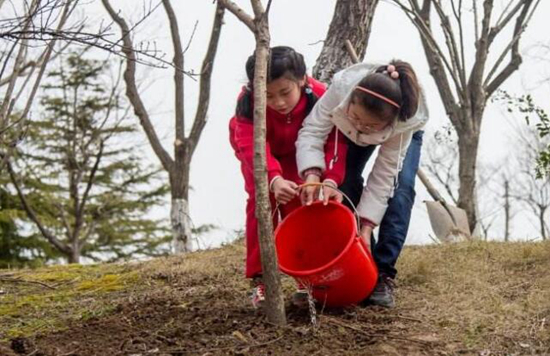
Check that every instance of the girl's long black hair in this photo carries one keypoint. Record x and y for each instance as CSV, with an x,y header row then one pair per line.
x,y
283,62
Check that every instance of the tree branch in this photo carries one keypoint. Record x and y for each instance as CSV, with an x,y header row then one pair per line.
x,y
434,56
133,93
32,215
502,22
178,74
205,81
515,59
239,13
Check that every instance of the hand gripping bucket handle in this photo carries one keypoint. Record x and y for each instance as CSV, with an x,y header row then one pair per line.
x,y
313,184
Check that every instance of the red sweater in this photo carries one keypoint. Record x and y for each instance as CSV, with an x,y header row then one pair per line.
x,y
282,133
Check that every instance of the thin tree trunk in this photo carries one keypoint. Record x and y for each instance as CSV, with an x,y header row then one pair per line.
x,y
468,143
180,218
275,309
506,211
352,20
542,223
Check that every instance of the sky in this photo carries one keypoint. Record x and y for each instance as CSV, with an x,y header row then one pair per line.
x,y
217,195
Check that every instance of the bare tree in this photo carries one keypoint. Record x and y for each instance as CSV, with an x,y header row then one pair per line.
x,y
178,168
15,55
32,33
270,268
352,20
532,192
465,87
441,164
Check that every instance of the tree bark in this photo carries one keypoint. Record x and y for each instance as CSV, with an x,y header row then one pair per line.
x,y
506,210
352,20
468,144
180,219
275,310
542,223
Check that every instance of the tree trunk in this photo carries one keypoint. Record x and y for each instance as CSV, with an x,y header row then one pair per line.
x,y
351,21
182,239
542,223
275,310
74,256
506,211
468,144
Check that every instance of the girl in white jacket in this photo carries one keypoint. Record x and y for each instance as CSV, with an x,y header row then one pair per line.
x,y
372,105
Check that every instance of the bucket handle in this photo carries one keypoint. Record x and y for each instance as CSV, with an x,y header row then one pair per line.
x,y
314,184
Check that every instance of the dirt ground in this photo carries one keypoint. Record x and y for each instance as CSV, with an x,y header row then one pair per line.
x,y
469,299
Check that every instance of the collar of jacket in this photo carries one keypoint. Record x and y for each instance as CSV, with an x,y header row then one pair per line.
x,y
298,111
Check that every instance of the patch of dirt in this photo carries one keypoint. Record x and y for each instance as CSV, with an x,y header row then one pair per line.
x,y
451,300
213,324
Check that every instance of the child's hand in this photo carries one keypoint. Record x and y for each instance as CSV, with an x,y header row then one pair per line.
x,y
284,190
330,192
309,194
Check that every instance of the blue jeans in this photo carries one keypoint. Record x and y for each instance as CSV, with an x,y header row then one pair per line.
x,y
395,224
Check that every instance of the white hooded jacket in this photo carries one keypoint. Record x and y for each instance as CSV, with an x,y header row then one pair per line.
x,y
394,140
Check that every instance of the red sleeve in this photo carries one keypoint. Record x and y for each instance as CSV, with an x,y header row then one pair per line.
x,y
244,145
335,157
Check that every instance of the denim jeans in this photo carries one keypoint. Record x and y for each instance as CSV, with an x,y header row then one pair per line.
x,y
395,223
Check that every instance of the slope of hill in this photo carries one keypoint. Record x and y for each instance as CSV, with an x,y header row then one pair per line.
x,y
480,298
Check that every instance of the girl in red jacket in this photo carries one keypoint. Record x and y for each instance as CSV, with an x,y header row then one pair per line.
x,y
290,97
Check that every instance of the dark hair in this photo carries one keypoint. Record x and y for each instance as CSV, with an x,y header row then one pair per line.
x,y
284,62
405,91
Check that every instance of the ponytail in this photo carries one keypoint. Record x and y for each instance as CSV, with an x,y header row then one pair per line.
x,y
398,84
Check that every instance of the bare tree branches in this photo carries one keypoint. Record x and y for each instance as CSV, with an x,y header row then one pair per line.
x,y
132,90
472,88
205,81
178,167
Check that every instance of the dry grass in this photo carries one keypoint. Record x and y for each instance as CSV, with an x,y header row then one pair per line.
x,y
480,295
467,298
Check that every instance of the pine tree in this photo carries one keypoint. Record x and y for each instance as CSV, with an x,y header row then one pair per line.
x,y
81,180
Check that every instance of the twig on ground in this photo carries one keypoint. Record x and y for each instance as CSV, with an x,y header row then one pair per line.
x,y
373,335
226,347
18,280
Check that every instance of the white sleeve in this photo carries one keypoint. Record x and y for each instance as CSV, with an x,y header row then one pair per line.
x,y
315,130
382,178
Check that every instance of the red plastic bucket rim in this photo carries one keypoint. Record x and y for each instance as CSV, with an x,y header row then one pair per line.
x,y
334,260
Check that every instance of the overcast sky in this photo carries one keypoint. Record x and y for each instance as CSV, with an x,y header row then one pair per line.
x,y
218,195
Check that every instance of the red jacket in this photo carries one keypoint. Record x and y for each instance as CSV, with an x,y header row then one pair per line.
x,y
282,133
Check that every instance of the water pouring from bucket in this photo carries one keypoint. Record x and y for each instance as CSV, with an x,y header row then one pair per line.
x,y
319,245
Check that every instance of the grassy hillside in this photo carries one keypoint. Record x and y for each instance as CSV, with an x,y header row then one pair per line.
x,y
481,298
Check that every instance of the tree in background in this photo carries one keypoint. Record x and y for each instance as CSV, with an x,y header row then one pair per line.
x,y
465,86
79,176
532,187
440,161
179,166
32,34
352,20
17,250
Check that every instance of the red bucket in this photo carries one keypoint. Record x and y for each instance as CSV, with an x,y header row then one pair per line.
x,y
319,246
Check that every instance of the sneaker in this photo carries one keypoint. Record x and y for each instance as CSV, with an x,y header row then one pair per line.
x,y
258,292
382,294
300,298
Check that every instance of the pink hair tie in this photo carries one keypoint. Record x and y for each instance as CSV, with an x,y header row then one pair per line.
x,y
379,96
392,72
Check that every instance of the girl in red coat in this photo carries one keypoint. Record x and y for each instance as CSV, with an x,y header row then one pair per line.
x,y
290,97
